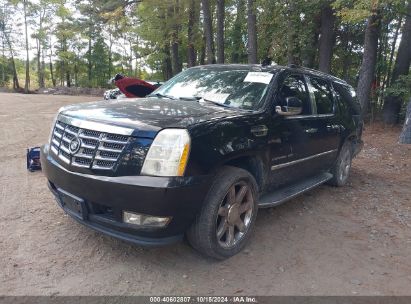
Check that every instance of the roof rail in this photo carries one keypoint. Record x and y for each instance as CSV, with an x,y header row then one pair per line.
x,y
324,74
294,66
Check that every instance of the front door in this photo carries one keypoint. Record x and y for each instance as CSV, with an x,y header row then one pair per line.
x,y
296,131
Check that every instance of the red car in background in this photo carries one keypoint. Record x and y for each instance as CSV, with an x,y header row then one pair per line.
x,y
130,87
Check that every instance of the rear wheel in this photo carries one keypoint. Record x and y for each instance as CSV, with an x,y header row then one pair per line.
x,y
342,167
226,220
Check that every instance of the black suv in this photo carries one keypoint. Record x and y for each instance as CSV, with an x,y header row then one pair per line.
x,y
202,153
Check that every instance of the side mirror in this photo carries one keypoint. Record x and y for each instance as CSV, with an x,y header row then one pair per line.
x,y
294,106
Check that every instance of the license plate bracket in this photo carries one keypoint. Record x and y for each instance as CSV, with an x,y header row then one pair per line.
x,y
72,204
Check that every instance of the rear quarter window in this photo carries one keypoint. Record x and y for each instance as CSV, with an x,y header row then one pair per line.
x,y
323,95
348,99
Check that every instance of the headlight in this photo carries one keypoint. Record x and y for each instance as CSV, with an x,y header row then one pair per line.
x,y
168,154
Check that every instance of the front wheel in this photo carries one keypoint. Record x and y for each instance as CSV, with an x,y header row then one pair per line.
x,y
342,166
226,220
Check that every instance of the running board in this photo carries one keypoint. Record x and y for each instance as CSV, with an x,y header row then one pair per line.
x,y
282,195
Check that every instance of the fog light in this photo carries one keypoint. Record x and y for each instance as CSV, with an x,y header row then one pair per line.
x,y
145,220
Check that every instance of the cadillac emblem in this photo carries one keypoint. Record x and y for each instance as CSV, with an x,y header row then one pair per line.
x,y
74,145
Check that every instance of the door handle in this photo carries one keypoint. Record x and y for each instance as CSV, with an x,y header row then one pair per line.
x,y
333,127
311,130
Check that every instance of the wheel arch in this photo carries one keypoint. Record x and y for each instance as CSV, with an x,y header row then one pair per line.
x,y
352,138
253,164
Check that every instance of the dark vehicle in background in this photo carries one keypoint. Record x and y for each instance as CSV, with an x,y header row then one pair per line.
x,y
200,155
112,94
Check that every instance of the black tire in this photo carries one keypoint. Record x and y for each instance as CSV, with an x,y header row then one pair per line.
x,y
217,215
342,166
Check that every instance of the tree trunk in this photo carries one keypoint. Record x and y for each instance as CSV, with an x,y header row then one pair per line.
x,y
394,43
89,64
76,70
369,60
175,56
53,80
402,62
16,84
167,68
252,32
68,78
43,67
237,35
392,104
110,55
38,55
326,38
292,56
208,31
40,65
405,136
220,30
3,56
347,61
191,51
130,62
381,58
203,51
27,83
309,52
40,71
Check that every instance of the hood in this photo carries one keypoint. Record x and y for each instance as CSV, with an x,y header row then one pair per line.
x,y
148,115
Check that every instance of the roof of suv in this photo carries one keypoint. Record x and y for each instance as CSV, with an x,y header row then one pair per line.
x,y
269,68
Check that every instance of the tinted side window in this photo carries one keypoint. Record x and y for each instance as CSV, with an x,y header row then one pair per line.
x,y
348,96
323,96
295,86
344,106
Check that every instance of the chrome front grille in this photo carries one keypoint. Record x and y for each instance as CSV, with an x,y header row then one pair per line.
x,y
98,150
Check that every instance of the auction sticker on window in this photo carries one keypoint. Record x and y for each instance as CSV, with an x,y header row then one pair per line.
x,y
261,77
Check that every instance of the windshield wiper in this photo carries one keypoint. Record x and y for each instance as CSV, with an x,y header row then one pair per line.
x,y
190,98
218,103
159,95
226,105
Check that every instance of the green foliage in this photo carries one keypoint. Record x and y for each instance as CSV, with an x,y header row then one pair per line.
x,y
401,88
5,72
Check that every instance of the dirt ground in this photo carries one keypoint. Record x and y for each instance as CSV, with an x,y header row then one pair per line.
x,y
354,240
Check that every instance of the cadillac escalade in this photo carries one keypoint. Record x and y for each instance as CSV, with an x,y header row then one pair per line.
x,y
200,155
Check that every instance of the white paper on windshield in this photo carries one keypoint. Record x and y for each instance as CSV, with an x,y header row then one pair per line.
x,y
217,97
261,77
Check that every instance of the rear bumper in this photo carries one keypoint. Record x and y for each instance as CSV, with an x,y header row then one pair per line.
x,y
105,198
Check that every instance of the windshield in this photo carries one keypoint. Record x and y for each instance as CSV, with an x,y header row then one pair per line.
x,y
237,88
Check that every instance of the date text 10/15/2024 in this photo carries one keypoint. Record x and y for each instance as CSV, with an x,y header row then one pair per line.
x,y
203,299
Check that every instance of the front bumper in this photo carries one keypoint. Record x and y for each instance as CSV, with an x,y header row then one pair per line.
x,y
103,200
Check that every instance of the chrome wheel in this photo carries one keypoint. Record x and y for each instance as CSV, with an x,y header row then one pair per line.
x,y
234,215
345,166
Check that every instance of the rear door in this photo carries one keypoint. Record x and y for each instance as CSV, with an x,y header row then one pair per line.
x,y
325,124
